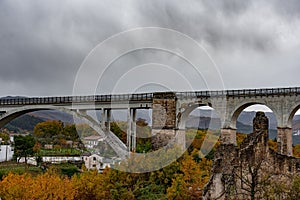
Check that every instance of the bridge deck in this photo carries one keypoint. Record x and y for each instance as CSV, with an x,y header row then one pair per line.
x,y
147,97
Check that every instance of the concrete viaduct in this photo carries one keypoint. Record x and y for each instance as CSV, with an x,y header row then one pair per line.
x,y
170,111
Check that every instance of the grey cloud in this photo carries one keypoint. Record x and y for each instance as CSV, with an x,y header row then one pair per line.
x,y
216,22
43,43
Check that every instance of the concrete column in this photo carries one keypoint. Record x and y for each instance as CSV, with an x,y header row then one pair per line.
x,y
103,118
129,119
180,139
108,116
228,136
285,141
133,131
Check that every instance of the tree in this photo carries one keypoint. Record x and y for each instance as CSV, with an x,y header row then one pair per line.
x,y
44,186
24,146
71,133
48,129
117,130
5,137
188,184
143,132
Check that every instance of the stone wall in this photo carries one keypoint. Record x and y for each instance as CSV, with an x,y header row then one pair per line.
x,y
248,171
163,119
164,110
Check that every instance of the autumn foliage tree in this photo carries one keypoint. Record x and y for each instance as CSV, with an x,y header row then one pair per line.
x,y
55,132
45,186
188,183
184,178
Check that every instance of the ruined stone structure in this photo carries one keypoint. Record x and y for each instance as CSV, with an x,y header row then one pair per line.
x,y
247,172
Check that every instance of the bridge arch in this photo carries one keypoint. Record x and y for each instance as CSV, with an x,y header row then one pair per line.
x,y
243,105
211,135
187,110
119,147
292,112
12,114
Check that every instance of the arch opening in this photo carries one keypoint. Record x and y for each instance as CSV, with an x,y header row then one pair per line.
x,y
295,124
52,130
243,121
61,130
202,126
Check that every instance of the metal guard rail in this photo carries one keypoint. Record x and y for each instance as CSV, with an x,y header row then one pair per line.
x,y
77,99
241,93
149,96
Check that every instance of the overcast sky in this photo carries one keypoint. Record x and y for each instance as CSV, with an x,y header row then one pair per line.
x,y
252,44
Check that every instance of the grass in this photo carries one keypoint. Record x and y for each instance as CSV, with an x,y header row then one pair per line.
x,y
17,168
59,152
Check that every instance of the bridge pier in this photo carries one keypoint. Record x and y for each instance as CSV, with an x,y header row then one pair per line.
x,y
131,129
228,136
105,119
285,141
163,119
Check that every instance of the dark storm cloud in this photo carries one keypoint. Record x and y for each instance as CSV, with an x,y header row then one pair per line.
x,y
43,43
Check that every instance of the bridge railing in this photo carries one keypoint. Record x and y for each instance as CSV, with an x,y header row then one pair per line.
x,y
241,93
148,96
77,99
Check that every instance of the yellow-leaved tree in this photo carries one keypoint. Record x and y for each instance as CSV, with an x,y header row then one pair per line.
x,y
190,182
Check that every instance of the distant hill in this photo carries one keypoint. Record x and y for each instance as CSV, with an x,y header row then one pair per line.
x,y
215,124
247,118
53,115
244,122
208,120
23,123
13,97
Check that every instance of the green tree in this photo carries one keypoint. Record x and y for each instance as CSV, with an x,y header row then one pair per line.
x,y
71,133
5,137
24,146
143,132
116,129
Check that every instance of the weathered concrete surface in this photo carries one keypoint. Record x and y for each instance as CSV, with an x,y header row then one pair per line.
x,y
163,119
164,110
285,141
246,172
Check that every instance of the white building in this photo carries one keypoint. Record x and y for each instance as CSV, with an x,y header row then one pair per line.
x,y
51,159
6,153
92,141
94,161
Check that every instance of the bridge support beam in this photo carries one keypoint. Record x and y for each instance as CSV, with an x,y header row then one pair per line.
x,y
228,136
131,129
285,141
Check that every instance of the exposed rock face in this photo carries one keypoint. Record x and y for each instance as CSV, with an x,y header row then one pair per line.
x,y
248,171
